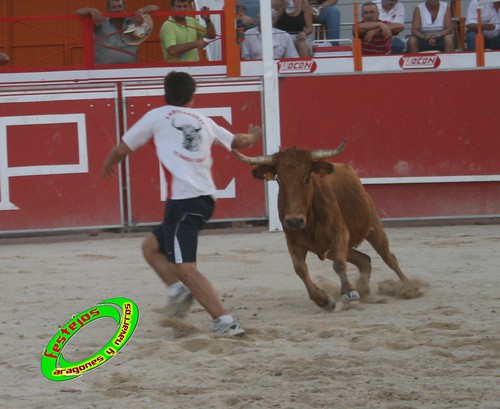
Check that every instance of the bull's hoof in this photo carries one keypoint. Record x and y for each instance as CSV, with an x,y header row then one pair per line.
x,y
330,305
352,295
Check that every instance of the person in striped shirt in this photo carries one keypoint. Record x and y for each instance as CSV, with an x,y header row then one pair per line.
x,y
375,35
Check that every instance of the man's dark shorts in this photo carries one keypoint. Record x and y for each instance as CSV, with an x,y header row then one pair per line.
x,y
178,234
424,45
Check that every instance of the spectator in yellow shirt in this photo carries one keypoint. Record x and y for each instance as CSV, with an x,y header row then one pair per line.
x,y
182,36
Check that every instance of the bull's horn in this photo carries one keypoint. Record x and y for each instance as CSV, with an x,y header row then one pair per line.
x,y
329,153
257,160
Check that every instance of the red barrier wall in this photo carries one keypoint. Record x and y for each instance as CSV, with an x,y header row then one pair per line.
x,y
425,144
410,135
52,146
232,105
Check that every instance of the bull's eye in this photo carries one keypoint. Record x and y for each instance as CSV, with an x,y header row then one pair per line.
x,y
308,180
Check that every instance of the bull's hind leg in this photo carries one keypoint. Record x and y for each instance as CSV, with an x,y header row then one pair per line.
x,y
319,296
378,239
364,265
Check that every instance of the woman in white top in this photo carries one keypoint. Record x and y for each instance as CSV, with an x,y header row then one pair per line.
x,y
432,28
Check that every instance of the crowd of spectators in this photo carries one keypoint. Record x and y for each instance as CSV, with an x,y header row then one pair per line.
x,y
184,37
381,26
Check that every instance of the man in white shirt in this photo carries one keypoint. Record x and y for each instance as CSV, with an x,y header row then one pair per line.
x,y
393,11
283,46
490,24
183,138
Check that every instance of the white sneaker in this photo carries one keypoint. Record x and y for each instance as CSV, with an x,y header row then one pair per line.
x,y
233,328
179,305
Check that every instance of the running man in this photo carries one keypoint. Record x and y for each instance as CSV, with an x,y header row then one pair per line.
x,y
183,139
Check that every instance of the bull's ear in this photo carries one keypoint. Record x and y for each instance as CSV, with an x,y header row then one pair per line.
x,y
265,172
322,168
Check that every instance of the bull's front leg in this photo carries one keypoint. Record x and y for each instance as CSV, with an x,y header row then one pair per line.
x,y
319,296
338,254
348,292
339,258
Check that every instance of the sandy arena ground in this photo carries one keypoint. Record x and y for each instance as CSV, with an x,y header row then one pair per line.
x,y
434,352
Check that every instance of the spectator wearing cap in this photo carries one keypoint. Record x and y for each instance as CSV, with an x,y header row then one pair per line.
x,y
490,25
109,44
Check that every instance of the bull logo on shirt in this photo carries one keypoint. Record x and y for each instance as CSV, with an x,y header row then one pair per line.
x,y
191,133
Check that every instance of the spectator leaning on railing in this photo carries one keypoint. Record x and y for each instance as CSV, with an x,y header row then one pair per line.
x,y
109,46
432,28
490,24
375,35
182,36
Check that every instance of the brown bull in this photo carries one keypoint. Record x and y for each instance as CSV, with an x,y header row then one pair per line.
x,y
325,209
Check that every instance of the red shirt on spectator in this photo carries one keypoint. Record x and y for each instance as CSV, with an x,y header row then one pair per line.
x,y
379,44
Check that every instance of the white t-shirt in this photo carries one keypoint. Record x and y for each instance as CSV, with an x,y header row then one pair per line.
x,y
488,16
394,15
283,46
428,26
183,138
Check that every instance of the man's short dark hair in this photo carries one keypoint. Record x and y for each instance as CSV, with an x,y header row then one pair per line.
x,y
108,3
179,88
369,3
172,2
